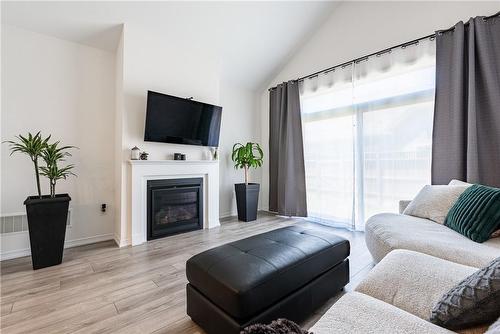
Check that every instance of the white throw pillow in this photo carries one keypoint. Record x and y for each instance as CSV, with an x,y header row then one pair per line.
x,y
434,202
456,182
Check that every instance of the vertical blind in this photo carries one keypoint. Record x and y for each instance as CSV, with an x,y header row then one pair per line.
x,y
367,131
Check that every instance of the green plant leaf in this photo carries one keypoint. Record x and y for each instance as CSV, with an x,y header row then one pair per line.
x,y
246,156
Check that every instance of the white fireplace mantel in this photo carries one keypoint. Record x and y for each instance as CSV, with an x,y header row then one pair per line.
x,y
144,170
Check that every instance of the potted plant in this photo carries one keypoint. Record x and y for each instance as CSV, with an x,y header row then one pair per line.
x,y
247,194
47,214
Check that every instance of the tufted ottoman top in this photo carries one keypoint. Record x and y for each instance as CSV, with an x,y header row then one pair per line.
x,y
248,275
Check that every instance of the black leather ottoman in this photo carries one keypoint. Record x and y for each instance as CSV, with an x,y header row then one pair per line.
x,y
285,273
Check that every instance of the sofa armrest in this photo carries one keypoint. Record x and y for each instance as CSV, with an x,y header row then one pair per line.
x,y
402,205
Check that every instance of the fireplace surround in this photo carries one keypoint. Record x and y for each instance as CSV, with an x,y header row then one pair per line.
x,y
174,206
143,171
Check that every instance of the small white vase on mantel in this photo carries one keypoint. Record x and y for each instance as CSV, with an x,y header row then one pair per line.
x,y
135,153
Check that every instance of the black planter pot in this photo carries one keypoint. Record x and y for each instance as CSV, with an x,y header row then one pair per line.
x,y
47,219
247,198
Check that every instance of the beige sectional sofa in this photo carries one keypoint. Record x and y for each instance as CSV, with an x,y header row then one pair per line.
x,y
388,231
396,297
419,261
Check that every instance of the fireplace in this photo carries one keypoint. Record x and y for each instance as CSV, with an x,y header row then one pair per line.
x,y
174,206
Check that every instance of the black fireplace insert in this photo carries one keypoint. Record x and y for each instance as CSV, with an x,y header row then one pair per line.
x,y
174,206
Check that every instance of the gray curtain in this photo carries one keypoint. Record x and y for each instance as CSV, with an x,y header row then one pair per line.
x,y
466,136
287,185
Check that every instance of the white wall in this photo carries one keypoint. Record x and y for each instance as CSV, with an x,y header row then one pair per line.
x,y
67,90
355,29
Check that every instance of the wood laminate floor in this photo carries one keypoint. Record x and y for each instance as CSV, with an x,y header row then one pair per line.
x,y
101,288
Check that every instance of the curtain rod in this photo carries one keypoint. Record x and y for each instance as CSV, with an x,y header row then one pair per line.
x,y
357,60
467,23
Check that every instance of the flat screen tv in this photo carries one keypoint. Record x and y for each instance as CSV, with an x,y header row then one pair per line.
x,y
171,119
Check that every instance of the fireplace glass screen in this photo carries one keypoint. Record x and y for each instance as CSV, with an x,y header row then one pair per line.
x,y
174,206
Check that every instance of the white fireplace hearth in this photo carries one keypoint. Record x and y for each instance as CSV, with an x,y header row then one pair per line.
x,y
144,170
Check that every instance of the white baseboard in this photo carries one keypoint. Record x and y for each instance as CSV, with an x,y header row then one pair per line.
x,y
117,239
228,214
15,254
67,244
88,240
234,213
119,242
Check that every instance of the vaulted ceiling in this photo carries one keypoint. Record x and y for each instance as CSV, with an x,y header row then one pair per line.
x,y
253,39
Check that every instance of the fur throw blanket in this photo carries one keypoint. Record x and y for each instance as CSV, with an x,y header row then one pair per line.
x,y
280,326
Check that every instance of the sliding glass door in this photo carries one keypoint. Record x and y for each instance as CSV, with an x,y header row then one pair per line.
x,y
367,134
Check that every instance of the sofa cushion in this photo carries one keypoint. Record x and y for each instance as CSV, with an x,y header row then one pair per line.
x,y
358,313
248,275
388,231
434,202
473,301
412,281
476,213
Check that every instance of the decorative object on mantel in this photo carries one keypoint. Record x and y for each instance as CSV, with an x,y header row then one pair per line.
x,y
144,155
47,214
179,156
247,194
135,153
215,153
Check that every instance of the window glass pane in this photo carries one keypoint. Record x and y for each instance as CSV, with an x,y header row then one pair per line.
x,y
329,165
397,155
327,116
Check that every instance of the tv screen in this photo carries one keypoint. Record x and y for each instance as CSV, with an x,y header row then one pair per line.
x,y
171,119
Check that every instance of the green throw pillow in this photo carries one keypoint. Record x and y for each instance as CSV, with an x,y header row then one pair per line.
x,y
476,213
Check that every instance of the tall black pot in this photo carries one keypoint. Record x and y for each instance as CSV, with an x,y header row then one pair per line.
x,y
247,199
47,219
